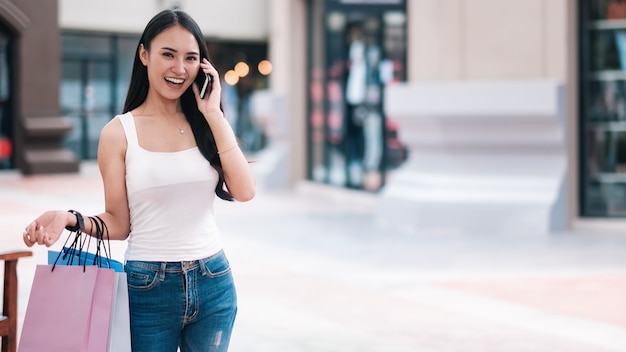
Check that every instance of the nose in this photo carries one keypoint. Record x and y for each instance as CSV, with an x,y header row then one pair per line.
x,y
178,67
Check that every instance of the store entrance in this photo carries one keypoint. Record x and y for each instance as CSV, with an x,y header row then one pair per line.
x,y
355,51
6,117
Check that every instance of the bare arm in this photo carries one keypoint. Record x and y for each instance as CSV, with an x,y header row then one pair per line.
x,y
238,174
112,163
48,227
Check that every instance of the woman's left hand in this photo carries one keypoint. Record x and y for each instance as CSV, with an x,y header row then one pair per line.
x,y
210,105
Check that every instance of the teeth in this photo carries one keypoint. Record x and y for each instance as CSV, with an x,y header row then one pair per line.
x,y
174,80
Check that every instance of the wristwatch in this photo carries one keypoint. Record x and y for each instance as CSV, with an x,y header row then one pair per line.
x,y
80,222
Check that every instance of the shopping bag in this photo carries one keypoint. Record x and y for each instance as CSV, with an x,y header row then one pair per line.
x,y
101,311
119,324
119,330
68,310
70,256
118,339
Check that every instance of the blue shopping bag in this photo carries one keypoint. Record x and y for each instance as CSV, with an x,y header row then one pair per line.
x,y
72,256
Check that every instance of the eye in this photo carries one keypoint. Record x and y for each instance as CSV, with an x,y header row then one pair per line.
x,y
168,54
192,58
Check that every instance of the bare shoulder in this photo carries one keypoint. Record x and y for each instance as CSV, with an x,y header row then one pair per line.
x,y
113,133
112,140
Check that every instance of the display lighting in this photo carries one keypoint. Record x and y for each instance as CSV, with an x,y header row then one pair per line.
x,y
242,69
265,67
231,77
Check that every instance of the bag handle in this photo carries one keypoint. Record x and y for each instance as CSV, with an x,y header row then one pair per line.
x,y
101,226
74,249
77,246
104,227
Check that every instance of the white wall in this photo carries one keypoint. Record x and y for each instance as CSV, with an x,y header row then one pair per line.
x,y
487,39
462,52
231,20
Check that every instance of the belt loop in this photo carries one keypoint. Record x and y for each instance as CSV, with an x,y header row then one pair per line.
x,y
162,271
203,268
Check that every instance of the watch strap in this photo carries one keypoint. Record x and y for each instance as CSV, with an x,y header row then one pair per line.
x,y
80,222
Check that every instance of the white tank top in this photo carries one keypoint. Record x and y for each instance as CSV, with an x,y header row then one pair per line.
x,y
170,196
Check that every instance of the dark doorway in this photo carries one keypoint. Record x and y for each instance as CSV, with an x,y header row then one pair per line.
x,y
356,48
6,115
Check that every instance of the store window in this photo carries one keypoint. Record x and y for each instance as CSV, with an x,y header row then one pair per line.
x,y
96,73
603,108
356,48
6,118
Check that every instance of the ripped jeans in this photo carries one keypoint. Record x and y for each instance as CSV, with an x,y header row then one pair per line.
x,y
191,305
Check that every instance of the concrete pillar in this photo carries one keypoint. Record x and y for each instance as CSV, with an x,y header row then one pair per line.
x,y
39,128
283,106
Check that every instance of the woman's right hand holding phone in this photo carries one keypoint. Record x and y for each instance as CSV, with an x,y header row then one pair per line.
x,y
210,105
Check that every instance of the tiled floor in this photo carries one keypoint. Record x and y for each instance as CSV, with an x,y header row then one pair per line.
x,y
314,273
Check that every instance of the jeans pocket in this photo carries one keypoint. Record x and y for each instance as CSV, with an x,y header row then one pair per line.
x,y
140,278
217,265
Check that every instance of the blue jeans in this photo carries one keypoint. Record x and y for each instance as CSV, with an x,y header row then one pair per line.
x,y
191,305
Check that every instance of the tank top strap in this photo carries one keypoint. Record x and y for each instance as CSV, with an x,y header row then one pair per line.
x,y
128,123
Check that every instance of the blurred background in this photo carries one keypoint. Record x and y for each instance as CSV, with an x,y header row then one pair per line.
x,y
441,175
504,105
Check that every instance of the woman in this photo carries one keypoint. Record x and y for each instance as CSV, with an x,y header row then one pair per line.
x,y
162,163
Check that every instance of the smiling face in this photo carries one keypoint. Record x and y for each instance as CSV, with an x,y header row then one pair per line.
x,y
172,61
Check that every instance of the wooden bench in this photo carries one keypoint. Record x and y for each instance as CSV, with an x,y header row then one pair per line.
x,y
8,319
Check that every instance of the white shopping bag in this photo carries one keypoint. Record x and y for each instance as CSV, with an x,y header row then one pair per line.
x,y
119,331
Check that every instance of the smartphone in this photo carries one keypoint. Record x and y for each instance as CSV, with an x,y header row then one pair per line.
x,y
203,84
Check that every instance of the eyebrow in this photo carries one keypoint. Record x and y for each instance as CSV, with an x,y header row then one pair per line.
x,y
174,50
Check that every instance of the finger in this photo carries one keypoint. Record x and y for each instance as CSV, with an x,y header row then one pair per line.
x,y
216,84
205,66
30,233
208,68
48,241
214,74
27,239
32,227
40,235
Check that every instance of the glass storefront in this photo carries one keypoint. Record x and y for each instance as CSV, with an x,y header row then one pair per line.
x,y
6,121
356,48
602,90
96,73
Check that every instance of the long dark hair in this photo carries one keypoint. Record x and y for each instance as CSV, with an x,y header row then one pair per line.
x,y
138,89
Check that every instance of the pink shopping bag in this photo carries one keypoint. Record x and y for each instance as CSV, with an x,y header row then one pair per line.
x,y
101,310
69,310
